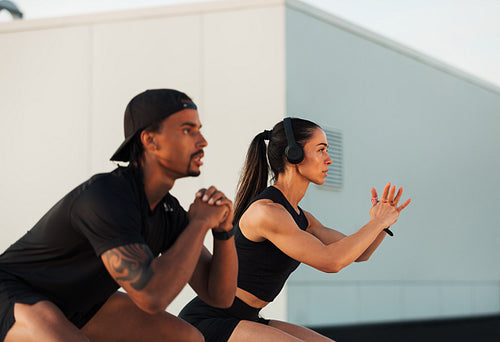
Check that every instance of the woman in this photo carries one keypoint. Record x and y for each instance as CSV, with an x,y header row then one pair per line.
x,y
273,235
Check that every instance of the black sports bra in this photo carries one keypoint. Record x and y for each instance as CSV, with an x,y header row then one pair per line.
x,y
263,267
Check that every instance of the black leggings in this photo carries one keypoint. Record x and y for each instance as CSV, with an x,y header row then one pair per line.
x,y
216,324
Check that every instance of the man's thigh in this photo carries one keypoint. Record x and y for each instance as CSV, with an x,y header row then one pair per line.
x,y
42,321
120,319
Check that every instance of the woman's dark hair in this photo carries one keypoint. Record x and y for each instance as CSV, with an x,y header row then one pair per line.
x,y
255,176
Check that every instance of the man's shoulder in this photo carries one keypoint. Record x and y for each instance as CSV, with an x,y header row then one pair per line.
x,y
105,187
116,179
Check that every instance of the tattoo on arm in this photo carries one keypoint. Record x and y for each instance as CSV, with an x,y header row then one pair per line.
x,y
130,264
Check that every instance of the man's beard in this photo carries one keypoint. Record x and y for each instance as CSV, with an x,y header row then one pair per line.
x,y
192,173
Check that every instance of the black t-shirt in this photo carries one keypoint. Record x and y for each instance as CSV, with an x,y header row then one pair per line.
x,y
60,255
262,267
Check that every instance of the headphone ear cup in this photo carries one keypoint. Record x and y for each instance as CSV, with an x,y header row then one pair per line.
x,y
294,154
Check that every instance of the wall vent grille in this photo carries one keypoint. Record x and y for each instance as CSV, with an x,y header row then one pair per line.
x,y
335,178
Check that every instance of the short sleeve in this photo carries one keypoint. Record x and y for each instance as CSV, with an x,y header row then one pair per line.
x,y
108,214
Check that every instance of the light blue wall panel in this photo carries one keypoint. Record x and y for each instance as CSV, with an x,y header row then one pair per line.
x,y
416,122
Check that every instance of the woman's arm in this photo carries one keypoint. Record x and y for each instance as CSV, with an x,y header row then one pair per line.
x,y
329,235
283,232
273,222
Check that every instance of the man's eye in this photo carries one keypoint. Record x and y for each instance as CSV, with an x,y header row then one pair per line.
x,y
186,131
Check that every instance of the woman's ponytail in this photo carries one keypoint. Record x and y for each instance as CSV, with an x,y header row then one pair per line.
x,y
255,175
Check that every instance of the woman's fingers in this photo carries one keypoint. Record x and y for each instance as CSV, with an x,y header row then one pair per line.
x,y
391,194
374,196
398,196
386,192
404,205
388,196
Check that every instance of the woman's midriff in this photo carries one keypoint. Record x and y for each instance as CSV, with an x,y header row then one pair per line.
x,y
250,299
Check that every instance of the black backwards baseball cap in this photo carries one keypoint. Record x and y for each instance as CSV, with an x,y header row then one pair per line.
x,y
147,108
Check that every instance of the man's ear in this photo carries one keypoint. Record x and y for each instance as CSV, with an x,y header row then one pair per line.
x,y
148,140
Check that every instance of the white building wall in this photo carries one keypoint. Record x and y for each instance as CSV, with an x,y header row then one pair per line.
x,y
64,85
418,123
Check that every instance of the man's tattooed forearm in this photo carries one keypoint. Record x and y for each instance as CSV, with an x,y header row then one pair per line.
x,y
131,263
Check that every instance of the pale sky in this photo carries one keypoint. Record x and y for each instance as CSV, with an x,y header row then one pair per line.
x,y
462,33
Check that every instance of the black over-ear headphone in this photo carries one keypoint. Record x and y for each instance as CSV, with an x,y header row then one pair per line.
x,y
294,152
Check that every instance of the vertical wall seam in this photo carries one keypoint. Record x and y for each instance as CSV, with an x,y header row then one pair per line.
x,y
285,58
202,73
90,99
202,57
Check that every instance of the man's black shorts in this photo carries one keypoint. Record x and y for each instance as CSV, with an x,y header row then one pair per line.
x,y
14,290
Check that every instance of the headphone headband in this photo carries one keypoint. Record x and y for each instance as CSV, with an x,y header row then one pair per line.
x,y
294,152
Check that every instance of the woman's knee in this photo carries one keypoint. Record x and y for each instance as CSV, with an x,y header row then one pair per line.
x,y
184,332
180,333
194,335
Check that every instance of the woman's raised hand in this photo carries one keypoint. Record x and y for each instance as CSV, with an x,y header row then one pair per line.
x,y
386,209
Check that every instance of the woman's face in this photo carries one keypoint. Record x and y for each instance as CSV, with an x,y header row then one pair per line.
x,y
316,160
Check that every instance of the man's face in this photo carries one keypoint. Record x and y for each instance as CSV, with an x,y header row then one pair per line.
x,y
179,144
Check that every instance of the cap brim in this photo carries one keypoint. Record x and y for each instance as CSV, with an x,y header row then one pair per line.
x,y
123,152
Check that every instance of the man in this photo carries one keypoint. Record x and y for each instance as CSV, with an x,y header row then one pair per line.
x,y
59,282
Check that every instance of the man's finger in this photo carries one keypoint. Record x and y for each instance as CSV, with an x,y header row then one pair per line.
x,y
215,197
224,201
200,193
208,193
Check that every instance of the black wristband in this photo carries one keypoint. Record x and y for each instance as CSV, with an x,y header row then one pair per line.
x,y
388,231
223,235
